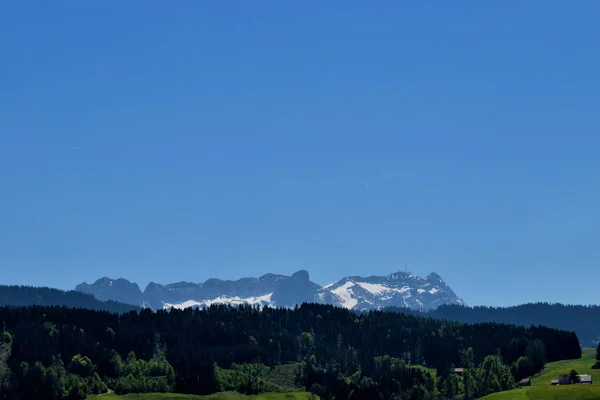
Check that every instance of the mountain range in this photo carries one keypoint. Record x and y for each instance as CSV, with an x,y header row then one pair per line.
x,y
584,320
400,289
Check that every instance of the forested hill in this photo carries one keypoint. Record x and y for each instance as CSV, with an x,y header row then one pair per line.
x,y
341,354
23,296
584,320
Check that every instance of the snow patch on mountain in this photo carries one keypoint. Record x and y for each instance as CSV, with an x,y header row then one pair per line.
x,y
374,288
346,294
261,301
399,289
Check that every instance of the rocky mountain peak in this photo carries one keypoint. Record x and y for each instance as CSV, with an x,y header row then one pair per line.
x,y
302,274
120,290
400,289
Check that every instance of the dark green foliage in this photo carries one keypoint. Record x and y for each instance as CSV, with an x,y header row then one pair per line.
x,y
82,366
6,382
598,352
318,389
6,375
5,347
244,378
573,376
139,376
283,378
467,358
340,353
536,354
494,376
5,338
53,382
523,368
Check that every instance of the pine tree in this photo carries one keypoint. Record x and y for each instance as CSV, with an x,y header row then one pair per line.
x,y
574,377
598,352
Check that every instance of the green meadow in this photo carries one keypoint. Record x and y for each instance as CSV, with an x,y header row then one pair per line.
x,y
541,389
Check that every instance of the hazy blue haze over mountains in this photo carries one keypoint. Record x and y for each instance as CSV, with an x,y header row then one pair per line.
x,y
400,289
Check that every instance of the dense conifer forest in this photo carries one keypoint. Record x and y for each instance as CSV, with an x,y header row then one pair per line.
x,y
58,352
584,320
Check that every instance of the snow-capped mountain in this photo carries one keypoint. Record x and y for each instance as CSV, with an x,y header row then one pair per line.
x,y
270,289
399,289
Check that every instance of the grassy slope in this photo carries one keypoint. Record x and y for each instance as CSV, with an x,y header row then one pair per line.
x,y
582,366
541,388
216,396
577,392
432,371
283,377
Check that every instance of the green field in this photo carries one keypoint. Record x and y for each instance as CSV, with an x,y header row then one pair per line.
x,y
583,366
216,396
282,377
541,388
574,392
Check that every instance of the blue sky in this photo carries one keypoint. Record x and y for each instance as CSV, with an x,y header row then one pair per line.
x,y
183,141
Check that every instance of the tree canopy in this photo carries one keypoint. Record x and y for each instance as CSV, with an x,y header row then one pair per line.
x,y
58,352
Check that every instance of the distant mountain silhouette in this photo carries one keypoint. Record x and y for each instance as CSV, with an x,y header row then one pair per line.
x,y
24,296
120,290
358,293
584,320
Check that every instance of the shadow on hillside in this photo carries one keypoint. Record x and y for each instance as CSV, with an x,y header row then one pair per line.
x,y
597,365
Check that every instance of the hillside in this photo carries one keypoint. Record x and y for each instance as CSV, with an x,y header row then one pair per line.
x,y
542,389
584,320
24,296
548,393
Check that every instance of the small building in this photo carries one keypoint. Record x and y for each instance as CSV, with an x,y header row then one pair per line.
x,y
458,371
585,379
554,382
525,382
564,379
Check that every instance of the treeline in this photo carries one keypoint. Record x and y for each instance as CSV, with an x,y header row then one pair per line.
x,y
392,378
200,351
584,320
25,296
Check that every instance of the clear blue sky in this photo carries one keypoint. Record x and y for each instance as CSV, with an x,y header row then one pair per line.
x,y
171,141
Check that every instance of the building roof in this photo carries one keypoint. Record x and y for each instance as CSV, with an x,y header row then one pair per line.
x,y
585,378
458,370
526,380
554,381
